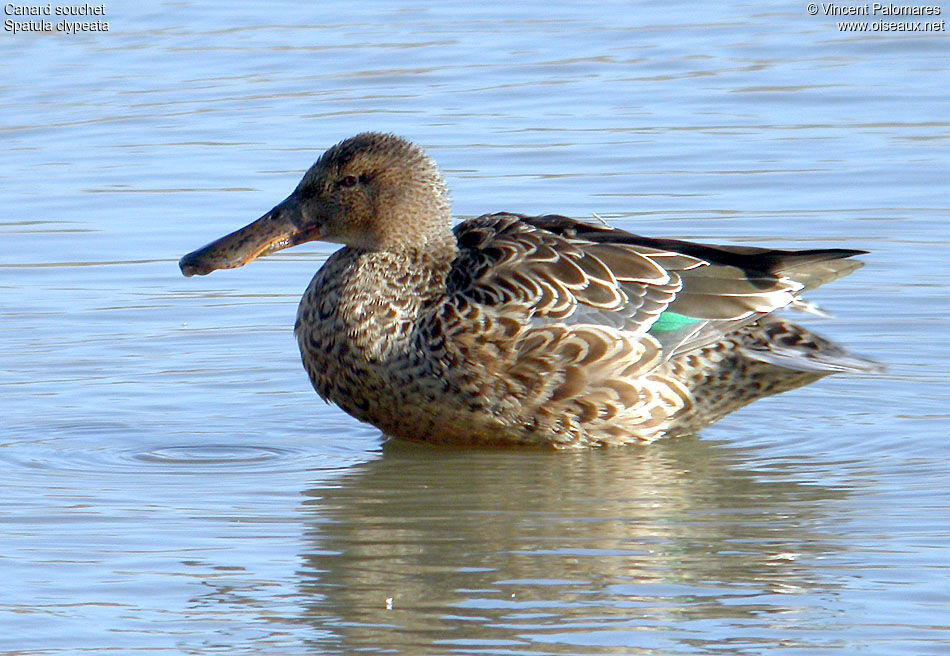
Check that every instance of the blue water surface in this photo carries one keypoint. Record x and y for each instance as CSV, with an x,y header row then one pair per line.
x,y
173,485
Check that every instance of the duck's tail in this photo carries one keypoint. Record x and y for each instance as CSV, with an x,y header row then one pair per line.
x,y
787,345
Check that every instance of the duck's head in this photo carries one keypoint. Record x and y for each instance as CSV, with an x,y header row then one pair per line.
x,y
372,191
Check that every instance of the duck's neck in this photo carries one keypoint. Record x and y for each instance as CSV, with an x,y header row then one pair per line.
x,y
370,301
442,246
412,276
422,242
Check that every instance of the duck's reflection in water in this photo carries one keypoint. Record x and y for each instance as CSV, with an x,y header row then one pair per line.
x,y
431,550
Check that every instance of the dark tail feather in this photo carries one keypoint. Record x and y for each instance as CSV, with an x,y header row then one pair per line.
x,y
814,273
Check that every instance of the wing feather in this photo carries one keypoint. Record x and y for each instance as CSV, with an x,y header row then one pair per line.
x,y
505,259
557,270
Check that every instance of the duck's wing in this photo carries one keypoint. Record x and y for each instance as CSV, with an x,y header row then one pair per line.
x,y
684,294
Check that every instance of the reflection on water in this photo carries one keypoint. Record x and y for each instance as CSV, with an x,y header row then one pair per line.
x,y
600,548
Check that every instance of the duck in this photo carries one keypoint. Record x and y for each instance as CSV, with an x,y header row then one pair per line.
x,y
509,329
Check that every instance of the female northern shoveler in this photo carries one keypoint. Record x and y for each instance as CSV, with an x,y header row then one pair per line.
x,y
528,330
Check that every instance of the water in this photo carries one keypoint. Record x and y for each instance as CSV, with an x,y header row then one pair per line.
x,y
172,484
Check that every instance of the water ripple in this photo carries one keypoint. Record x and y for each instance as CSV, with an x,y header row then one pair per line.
x,y
216,455
47,457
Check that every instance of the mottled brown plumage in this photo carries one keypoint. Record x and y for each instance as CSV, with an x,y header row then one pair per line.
x,y
526,330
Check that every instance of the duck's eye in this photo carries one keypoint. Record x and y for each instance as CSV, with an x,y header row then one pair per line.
x,y
349,181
